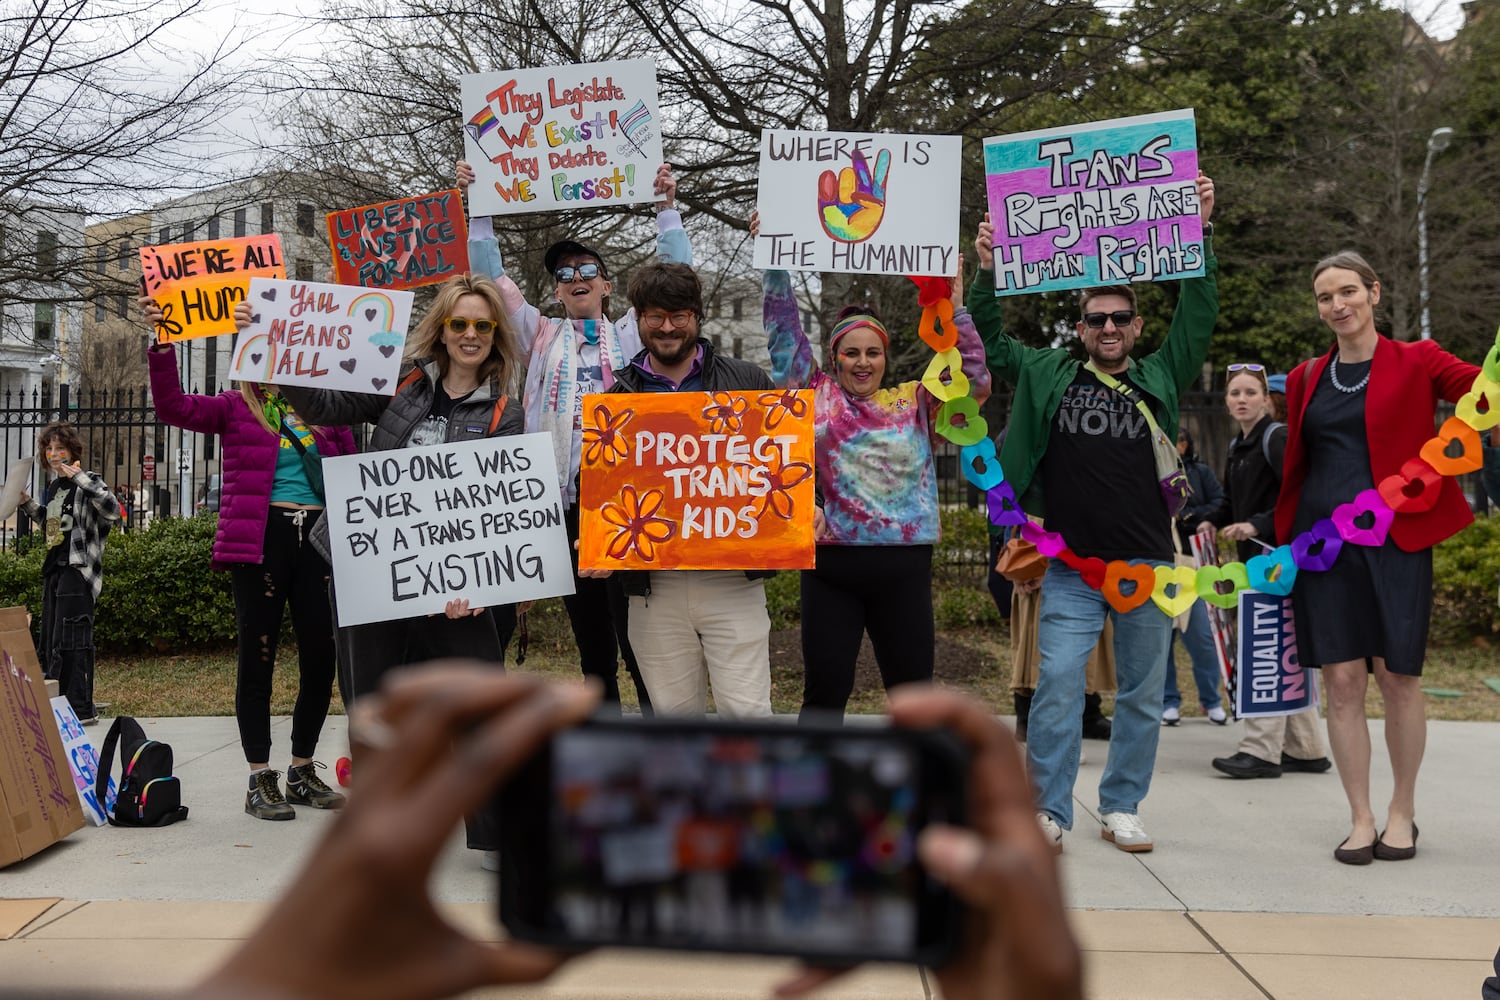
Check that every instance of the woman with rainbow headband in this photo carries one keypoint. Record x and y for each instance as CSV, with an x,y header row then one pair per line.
x,y
1358,417
272,498
879,518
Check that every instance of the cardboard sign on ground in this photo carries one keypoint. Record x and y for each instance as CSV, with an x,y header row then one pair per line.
x,y
38,804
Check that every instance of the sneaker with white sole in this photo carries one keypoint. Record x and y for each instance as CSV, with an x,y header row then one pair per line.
x,y
1051,831
1170,716
1124,830
1218,716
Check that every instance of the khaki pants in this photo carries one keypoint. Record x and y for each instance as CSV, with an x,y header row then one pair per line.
x,y
1299,734
697,626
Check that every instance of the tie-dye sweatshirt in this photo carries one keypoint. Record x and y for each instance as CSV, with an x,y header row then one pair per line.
x,y
874,454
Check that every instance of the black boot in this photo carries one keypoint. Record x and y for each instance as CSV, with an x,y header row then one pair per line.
x,y
1096,726
1023,714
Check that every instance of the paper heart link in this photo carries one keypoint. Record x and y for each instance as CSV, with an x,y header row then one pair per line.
x,y
1346,518
1321,561
952,362
1272,572
1119,572
1184,581
1090,569
982,465
1048,543
1435,451
1004,509
974,428
1412,490
1206,581
1484,390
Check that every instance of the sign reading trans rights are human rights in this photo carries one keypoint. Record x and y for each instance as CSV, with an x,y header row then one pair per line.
x,y
1097,204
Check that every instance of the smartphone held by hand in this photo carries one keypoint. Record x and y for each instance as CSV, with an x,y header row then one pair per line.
x,y
758,837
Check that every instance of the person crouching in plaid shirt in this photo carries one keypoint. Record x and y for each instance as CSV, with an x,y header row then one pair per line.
x,y
77,511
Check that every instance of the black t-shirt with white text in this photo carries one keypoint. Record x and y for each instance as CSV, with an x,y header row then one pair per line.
x,y
1099,476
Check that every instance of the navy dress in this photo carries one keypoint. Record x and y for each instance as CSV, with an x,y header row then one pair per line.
x,y
1373,601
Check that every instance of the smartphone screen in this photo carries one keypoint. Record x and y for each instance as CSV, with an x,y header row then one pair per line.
x,y
743,837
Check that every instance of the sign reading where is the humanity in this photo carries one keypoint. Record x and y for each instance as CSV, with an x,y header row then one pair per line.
x,y
562,137
697,480
323,336
400,244
848,201
1269,678
415,528
1097,204
197,285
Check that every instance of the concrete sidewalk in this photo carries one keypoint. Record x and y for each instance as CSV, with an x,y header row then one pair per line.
x,y
1241,897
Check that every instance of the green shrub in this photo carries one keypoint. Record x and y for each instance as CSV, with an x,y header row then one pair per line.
x,y
961,555
784,599
1465,571
957,607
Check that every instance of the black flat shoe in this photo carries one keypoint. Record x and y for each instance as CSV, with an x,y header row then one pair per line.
x,y
1356,855
1385,852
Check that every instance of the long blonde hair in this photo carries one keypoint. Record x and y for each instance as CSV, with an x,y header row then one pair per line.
x,y
426,340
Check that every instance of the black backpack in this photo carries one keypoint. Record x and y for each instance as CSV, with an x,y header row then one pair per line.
x,y
148,793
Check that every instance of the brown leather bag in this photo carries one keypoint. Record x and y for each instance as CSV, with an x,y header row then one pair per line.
x,y
1019,561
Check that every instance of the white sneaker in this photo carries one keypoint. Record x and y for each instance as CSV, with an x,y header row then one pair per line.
x,y
1218,716
1124,830
489,860
1051,831
1170,716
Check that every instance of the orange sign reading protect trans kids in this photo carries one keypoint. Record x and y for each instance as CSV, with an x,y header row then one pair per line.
x,y
697,480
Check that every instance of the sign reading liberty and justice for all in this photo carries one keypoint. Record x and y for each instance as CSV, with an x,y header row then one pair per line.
x,y
1096,204
561,137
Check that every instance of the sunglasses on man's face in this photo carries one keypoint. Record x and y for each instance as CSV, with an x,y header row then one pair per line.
x,y
583,272
1121,318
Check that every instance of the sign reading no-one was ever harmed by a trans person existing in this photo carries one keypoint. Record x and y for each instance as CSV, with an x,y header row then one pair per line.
x,y
856,202
583,136
1097,204
196,285
697,480
415,528
322,336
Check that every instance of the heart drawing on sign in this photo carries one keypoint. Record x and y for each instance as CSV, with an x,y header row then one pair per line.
x,y
269,295
386,350
254,318
369,314
348,366
255,358
378,383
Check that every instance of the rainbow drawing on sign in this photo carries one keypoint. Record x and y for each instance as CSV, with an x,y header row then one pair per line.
x,y
374,304
248,350
851,203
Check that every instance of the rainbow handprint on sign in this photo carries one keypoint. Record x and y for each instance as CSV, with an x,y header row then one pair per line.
x,y
851,203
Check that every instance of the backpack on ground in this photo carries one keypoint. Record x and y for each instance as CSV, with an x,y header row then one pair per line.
x,y
149,794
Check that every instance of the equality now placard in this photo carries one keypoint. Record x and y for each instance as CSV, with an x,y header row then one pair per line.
x,y
1097,204
415,528
582,136
697,480
197,285
1269,680
866,203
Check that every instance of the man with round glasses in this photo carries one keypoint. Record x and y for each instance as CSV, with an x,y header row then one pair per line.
x,y
1080,452
567,358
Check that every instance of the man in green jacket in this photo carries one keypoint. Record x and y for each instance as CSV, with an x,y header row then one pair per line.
x,y
1078,453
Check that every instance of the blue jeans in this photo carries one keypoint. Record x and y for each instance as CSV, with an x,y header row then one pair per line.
x,y
1072,616
1199,641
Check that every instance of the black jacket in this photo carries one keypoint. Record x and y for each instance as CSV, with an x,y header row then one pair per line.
x,y
1205,503
1251,483
720,373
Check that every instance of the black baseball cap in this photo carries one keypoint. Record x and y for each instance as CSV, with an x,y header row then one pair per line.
x,y
572,248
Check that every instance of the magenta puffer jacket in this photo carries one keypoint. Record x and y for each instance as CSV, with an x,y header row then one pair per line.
x,y
249,456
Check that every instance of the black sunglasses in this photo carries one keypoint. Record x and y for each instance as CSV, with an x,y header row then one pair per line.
x,y
1121,317
583,272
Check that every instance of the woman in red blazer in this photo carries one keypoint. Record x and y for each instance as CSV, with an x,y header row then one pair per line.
x,y
1356,415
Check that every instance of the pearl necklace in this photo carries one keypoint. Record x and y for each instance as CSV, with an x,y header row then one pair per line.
x,y
1333,376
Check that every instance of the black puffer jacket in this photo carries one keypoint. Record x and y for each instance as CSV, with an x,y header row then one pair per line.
x,y
720,374
1251,483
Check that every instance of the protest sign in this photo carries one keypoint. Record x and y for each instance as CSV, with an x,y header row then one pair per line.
x,y
1269,679
323,336
581,136
1205,552
415,528
867,203
198,284
400,244
1097,204
697,480
83,761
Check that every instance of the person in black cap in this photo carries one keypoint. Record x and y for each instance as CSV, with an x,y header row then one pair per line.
x,y
567,358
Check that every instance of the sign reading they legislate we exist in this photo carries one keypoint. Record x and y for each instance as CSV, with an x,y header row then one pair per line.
x,y
414,528
697,480
1269,680
323,336
1098,204
563,137
400,244
197,285
867,203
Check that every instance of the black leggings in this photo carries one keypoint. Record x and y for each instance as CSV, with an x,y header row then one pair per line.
x,y
598,610
67,649
290,572
883,589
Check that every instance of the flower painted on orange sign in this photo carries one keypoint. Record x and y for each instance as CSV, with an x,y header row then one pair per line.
x,y
639,528
780,405
604,440
725,414
781,476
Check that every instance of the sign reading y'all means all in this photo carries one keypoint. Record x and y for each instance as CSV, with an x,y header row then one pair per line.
x,y
197,285
563,137
400,244
323,336
1098,204
879,203
415,528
